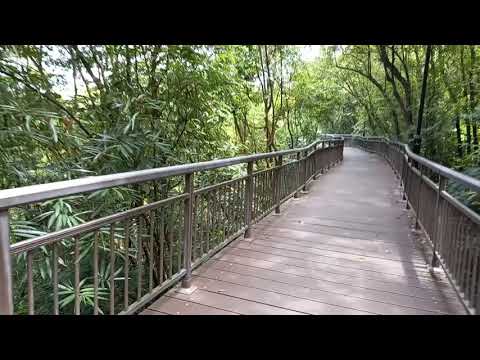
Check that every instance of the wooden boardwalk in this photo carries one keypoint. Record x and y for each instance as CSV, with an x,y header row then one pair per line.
x,y
346,247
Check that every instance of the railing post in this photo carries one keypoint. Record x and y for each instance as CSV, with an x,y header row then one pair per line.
x,y
6,294
441,187
407,181
329,152
417,210
342,144
305,159
315,162
276,185
323,156
187,226
299,159
337,151
248,200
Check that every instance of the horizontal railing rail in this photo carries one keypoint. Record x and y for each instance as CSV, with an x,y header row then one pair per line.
x,y
118,263
453,229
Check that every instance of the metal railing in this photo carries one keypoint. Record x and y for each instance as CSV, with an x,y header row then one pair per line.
x,y
453,229
121,262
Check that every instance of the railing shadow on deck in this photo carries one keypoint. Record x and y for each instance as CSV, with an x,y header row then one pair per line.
x,y
118,263
451,228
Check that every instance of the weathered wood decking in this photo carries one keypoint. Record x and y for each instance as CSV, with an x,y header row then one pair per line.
x,y
346,247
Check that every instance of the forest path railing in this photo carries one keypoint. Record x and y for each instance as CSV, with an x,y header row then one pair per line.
x,y
452,228
118,263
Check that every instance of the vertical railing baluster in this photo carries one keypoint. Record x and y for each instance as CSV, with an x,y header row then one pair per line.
x,y
6,293
179,240
188,207
126,263
161,239
324,156
407,184
112,269
55,277
170,241
315,162
223,203
461,277
276,186
208,197
238,202
228,210
249,200
261,196
304,181
150,250
254,197
213,224
475,273
95,274
196,223
77,274
199,220
236,209
441,187
420,185
139,256
30,291
468,266
402,179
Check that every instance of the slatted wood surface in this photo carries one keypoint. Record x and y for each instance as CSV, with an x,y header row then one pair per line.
x,y
346,247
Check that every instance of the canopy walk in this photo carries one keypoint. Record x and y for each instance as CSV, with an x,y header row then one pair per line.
x,y
325,229
346,247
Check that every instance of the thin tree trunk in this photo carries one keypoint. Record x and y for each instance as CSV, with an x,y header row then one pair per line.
x,y
465,94
459,136
473,95
418,140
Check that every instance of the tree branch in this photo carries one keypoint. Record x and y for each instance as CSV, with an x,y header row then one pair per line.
x,y
48,98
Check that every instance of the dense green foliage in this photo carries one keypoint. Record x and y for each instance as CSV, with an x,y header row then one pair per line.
x,y
140,107
384,84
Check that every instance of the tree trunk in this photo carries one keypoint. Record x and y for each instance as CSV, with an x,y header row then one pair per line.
x,y
418,139
459,136
465,94
473,95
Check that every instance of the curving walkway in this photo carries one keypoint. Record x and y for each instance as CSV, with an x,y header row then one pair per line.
x,y
346,247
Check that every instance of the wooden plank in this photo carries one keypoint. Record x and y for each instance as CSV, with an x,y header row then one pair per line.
x,y
346,223
343,259
232,304
338,251
397,239
173,306
314,261
335,241
152,312
295,221
422,280
272,298
335,294
404,287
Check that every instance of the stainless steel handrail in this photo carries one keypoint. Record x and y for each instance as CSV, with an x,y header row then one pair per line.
x,y
35,193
